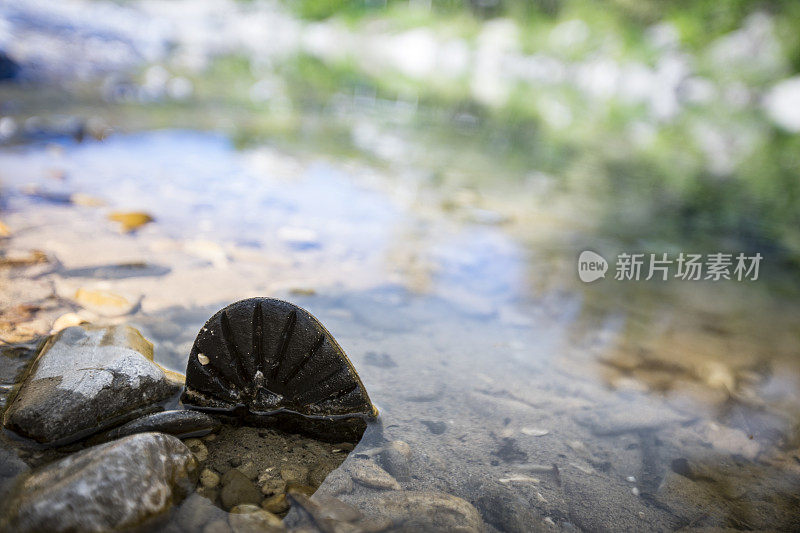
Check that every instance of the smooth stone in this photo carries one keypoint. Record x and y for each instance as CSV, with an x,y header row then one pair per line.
x,y
253,519
308,490
423,510
276,504
112,486
104,302
209,479
84,380
237,490
181,423
395,458
198,449
371,475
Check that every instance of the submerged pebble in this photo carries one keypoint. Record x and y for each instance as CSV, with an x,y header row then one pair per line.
x,y
371,475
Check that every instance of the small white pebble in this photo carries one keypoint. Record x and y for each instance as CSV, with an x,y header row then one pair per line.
x,y
635,491
630,479
549,521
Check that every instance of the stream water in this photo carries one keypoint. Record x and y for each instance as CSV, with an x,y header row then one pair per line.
x,y
545,402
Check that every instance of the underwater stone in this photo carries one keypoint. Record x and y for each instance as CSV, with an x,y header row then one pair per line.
x,y
84,380
272,363
425,511
112,486
371,475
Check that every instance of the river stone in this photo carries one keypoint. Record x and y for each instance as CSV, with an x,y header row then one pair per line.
x,y
181,423
253,519
84,380
107,487
371,475
426,511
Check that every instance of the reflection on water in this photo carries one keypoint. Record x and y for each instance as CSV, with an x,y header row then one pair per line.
x,y
544,403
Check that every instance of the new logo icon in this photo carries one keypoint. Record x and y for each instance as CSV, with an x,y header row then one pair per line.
x,y
591,266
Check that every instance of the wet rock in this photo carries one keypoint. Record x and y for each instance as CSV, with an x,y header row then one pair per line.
x,y
111,486
253,519
427,511
84,380
104,302
198,449
130,220
395,458
181,423
238,490
371,475
209,478
276,504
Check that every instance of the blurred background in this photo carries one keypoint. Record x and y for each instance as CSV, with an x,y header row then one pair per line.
x,y
422,175
667,121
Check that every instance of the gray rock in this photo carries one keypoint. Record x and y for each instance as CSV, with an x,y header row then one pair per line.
x,y
107,487
84,380
181,423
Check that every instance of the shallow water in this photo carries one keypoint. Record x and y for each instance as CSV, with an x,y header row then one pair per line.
x,y
543,401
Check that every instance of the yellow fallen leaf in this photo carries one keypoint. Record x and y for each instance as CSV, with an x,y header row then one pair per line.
x,y
67,320
130,220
